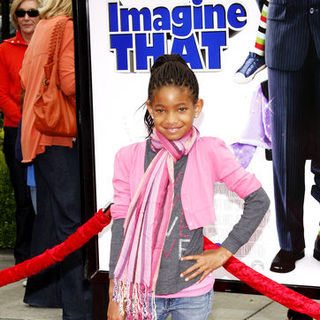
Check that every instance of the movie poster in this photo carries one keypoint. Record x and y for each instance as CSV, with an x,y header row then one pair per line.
x,y
214,37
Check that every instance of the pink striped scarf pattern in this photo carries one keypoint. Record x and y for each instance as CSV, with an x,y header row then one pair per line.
x,y
145,228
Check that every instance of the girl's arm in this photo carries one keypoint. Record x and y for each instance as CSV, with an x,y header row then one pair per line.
x,y
121,199
255,206
116,240
113,309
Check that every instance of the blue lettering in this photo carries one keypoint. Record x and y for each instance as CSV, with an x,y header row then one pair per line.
x,y
188,50
210,12
121,43
135,16
197,18
182,25
163,22
197,32
235,12
113,17
144,51
214,40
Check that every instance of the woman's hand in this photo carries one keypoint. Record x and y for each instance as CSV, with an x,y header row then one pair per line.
x,y
113,308
206,262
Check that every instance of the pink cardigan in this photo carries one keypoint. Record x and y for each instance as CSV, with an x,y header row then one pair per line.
x,y
209,161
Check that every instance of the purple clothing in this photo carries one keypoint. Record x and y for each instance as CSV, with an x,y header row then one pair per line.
x,y
257,132
209,161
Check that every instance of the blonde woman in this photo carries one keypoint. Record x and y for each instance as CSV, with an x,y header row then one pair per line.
x,y
24,17
55,160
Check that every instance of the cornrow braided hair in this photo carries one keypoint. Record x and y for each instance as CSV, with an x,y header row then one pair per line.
x,y
170,70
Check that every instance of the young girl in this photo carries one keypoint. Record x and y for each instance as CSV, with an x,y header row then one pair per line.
x,y
163,197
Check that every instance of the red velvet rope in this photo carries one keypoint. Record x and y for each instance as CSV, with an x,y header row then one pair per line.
x,y
274,290
75,241
277,292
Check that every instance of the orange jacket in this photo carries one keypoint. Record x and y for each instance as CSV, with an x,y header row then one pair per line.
x,y
33,142
11,57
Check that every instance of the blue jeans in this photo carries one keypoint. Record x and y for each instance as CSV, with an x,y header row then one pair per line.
x,y
59,215
195,308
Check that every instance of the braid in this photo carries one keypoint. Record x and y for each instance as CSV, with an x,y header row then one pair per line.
x,y
167,70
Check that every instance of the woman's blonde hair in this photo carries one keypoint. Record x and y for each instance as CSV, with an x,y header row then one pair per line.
x,y
14,6
53,8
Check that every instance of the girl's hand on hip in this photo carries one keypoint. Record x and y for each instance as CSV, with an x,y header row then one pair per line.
x,y
206,262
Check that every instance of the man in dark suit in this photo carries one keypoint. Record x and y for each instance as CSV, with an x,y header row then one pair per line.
x,y
293,61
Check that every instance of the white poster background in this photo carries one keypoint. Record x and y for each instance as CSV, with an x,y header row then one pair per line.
x,y
118,121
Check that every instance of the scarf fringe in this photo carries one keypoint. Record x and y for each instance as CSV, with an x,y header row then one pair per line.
x,y
134,300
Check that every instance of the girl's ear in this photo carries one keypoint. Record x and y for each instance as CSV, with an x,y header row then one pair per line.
x,y
149,107
198,107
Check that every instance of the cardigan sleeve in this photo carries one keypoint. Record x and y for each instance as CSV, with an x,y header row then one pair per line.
x,y
66,65
117,232
121,184
7,105
256,205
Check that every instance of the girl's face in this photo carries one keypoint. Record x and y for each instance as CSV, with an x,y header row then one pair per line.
x,y
173,111
28,24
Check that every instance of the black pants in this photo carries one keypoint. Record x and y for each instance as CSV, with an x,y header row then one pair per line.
x,y
24,208
59,215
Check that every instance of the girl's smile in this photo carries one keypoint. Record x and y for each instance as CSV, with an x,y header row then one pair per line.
x,y
173,111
